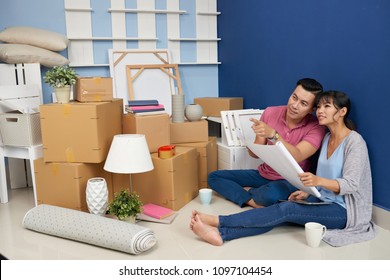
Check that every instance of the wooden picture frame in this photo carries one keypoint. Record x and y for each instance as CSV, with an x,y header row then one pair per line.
x,y
170,71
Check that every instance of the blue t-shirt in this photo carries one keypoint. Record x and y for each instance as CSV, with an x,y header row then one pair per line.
x,y
331,168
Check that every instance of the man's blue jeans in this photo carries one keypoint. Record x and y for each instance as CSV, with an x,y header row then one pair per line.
x,y
230,184
261,220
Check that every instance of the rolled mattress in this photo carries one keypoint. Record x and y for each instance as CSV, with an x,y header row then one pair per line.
x,y
88,228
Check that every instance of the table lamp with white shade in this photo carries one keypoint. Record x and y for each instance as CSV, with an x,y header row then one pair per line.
x,y
128,154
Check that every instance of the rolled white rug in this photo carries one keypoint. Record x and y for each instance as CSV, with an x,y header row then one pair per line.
x,y
89,228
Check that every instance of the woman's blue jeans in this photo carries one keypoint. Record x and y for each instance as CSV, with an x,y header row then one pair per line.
x,y
230,184
261,220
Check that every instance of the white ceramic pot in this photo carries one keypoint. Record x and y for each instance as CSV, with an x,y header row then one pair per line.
x,y
97,196
129,219
193,112
62,94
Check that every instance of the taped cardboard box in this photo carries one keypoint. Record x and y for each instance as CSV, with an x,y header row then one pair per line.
x,y
208,159
212,106
64,184
93,89
172,183
189,132
79,132
155,127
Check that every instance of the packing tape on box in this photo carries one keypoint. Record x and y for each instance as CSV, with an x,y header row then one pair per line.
x,y
89,228
165,152
97,80
54,168
66,109
69,154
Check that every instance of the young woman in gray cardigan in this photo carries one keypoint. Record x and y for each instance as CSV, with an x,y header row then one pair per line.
x,y
343,179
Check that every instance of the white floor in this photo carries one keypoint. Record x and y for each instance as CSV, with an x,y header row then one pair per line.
x,y
175,241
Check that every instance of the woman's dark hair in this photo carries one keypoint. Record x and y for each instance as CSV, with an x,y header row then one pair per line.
x,y
339,100
310,85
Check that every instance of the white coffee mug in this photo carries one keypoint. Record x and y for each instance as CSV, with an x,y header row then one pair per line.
x,y
205,195
314,233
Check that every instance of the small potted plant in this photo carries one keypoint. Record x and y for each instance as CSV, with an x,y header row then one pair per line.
x,y
61,78
125,205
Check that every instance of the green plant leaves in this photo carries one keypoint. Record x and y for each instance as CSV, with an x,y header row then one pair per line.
x,y
60,76
125,204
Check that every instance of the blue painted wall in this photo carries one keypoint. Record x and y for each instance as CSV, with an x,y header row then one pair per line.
x,y
267,45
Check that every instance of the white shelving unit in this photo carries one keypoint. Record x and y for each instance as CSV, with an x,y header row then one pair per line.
x,y
195,39
81,47
146,11
111,39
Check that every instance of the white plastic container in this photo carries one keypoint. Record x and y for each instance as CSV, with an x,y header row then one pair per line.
x,y
20,129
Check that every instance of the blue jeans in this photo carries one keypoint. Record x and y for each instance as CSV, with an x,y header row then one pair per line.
x,y
230,184
261,220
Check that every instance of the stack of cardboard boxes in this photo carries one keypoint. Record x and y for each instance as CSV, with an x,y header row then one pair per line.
x,y
174,181
76,139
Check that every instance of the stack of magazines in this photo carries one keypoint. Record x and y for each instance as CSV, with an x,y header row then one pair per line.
x,y
145,107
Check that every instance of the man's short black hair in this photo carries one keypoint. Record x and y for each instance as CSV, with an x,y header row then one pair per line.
x,y
310,85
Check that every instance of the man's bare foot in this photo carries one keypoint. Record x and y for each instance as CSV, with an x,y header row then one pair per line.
x,y
206,232
206,219
253,204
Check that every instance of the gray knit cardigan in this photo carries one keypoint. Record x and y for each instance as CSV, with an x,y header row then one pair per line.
x,y
356,186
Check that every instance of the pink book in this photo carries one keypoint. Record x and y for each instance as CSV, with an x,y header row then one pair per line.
x,y
156,211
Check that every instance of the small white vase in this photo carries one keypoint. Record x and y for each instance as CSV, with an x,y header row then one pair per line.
x,y
97,196
62,94
178,108
193,112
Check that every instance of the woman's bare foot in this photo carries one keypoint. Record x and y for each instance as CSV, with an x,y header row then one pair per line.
x,y
206,219
206,232
253,204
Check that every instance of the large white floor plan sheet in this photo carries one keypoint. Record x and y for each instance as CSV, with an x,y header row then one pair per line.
x,y
279,158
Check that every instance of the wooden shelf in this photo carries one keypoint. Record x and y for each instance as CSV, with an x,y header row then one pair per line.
x,y
208,13
78,10
195,39
111,39
146,11
199,63
89,65
179,63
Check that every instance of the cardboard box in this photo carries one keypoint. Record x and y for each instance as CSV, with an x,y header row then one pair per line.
x,y
212,106
188,132
93,89
79,132
21,130
64,184
155,127
208,159
172,183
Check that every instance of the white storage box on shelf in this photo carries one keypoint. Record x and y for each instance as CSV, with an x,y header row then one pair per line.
x,y
230,157
20,87
20,129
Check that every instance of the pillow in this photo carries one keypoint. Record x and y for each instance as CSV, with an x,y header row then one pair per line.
x,y
34,36
19,53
